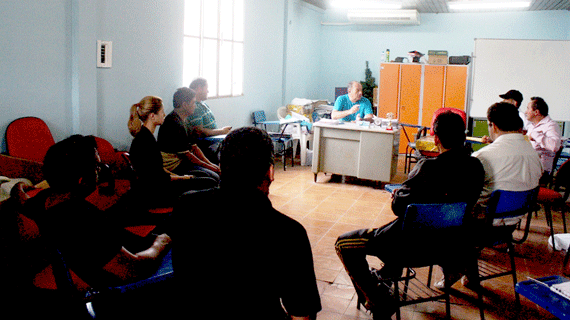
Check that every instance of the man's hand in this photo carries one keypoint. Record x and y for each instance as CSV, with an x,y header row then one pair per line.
x,y
225,130
355,109
486,139
162,240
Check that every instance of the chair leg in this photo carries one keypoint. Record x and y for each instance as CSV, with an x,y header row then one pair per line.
x,y
566,258
511,249
429,276
563,212
473,275
548,214
397,298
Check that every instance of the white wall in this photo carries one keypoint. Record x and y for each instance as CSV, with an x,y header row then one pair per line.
x,y
47,60
346,48
303,59
48,63
35,63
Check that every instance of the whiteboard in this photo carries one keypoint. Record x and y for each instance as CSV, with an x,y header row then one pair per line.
x,y
536,68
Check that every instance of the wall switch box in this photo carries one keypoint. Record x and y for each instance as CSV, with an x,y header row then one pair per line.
x,y
104,54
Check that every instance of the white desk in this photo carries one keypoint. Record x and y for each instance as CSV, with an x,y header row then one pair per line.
x,y
353,150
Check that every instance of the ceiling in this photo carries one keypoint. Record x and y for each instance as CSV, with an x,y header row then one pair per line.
x,y
440,6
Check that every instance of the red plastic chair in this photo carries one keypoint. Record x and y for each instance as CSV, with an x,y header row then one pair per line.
x,y
556,197
28,138
442,110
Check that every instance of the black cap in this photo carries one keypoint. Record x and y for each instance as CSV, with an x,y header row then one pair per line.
x,y
513,94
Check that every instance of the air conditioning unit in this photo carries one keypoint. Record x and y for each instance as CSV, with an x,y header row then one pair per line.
x,y
407,17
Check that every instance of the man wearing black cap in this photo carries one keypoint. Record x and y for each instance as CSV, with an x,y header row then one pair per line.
x,y
515,97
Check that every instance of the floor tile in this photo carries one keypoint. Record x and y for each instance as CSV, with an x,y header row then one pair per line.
x,y
329,208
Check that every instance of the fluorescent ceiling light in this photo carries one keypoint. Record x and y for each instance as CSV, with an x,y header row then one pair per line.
x,y
366,4
467,5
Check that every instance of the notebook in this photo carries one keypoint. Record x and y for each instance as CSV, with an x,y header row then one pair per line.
x,y
562,289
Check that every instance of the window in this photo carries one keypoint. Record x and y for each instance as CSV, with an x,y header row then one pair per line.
x,y
213,45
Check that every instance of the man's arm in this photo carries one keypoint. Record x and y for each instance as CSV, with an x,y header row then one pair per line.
x,y
196,156
127,266
549,139
215,132
410,189
336,114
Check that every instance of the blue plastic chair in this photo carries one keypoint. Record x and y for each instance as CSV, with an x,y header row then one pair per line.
x,y
444,222
283,142
505,204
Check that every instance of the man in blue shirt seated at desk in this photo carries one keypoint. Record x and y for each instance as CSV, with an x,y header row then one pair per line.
x,y
352,106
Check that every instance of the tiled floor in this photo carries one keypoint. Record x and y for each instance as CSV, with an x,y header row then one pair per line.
x,y
329,208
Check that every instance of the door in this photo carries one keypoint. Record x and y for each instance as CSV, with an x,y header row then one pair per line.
x,y
410,85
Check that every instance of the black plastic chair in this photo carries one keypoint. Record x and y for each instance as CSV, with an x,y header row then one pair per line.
x,y
427,230
412,153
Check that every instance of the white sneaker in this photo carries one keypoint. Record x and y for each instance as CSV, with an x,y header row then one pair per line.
x,y
441,283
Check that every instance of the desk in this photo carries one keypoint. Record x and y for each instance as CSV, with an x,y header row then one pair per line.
x,y
544,297
353,150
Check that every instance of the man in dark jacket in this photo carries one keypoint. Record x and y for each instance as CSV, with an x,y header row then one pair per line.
x,y
452,176
245,258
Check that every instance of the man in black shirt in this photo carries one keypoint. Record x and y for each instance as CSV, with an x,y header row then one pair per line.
x,y
180,154
245,258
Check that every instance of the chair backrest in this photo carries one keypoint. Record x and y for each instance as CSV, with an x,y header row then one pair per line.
x,y
433,217
28,138
339,91
510,204
258,117
429,233
282,113
442,110
562,179
106,152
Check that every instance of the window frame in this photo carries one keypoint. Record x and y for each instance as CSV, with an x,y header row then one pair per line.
x,y
220,41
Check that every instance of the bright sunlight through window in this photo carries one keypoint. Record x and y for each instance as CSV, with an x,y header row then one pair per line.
x,y
213,45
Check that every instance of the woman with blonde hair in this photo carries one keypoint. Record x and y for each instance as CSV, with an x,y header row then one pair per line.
x,y
155,185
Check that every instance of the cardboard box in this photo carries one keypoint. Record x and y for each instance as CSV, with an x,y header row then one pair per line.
x,y
437,60
437,56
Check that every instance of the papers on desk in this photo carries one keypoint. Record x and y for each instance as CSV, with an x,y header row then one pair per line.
x,y
330,121
289,120
562,289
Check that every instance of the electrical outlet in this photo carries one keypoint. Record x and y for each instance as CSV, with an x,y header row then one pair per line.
x,y
104,54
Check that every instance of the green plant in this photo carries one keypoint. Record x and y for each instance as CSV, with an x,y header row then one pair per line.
x,y
368,84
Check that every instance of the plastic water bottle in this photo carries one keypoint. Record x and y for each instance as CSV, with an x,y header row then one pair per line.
x,y
383,57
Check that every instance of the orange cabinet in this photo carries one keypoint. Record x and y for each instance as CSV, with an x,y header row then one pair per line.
x,y
414,91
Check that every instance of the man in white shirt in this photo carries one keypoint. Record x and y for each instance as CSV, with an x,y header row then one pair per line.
x,y
543,132
510,162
